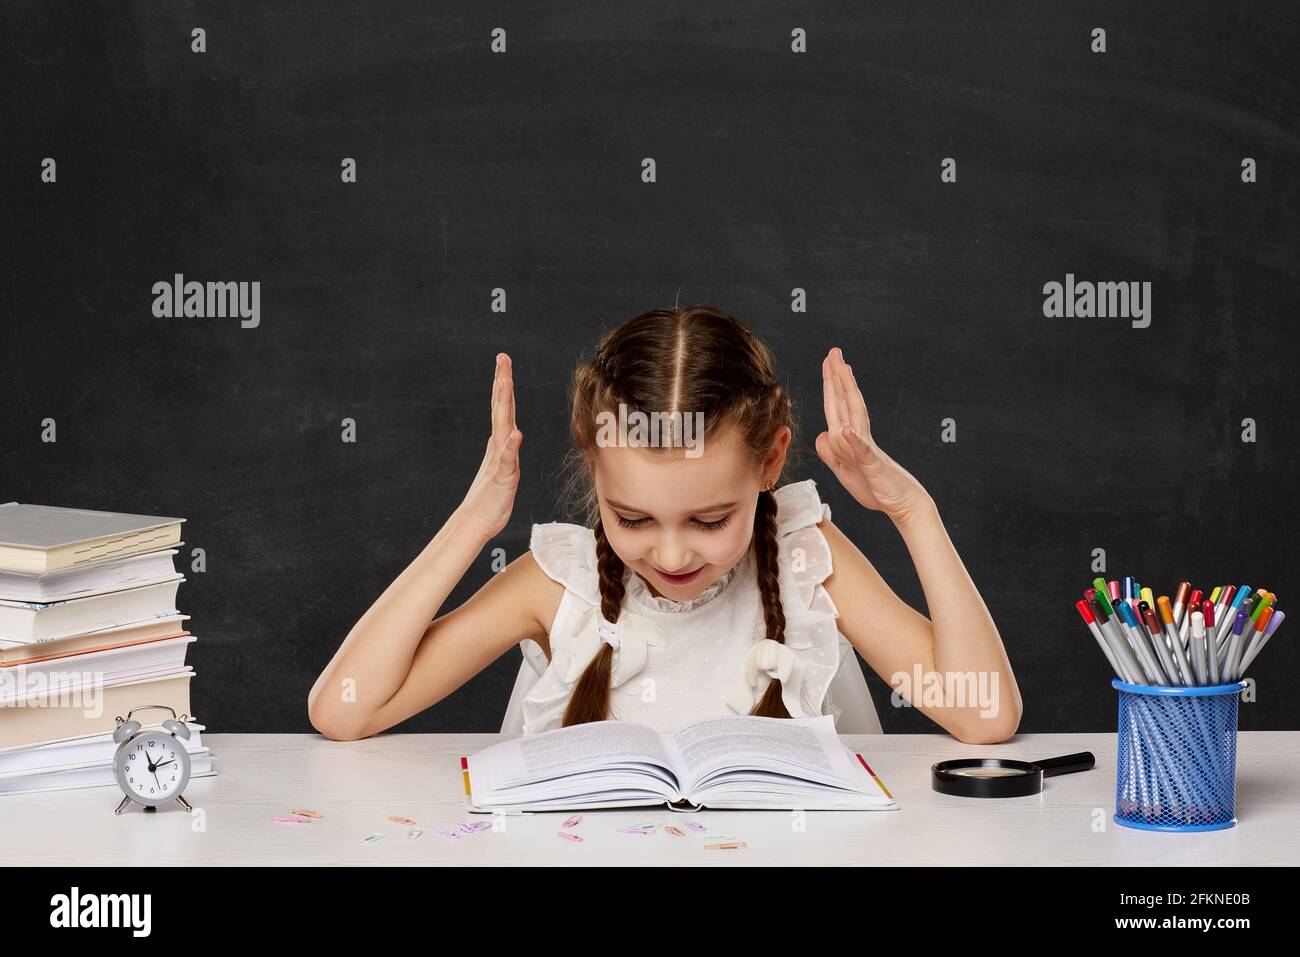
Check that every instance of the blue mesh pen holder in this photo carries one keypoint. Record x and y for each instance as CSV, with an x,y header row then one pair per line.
x,y
1177,757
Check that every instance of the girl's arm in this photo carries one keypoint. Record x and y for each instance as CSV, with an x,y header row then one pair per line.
x,y
396,662
967,686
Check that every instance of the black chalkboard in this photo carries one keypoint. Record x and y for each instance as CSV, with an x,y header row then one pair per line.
x,y
776,171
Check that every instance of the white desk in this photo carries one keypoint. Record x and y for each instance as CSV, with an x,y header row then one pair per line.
x,y
356,785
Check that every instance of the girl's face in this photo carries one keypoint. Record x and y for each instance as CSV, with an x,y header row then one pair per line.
x,y
682,523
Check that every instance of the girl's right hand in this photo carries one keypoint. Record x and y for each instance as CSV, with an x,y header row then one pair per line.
x,y
491,497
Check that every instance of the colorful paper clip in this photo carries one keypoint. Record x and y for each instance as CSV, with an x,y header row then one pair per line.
x,y
573,821
571,837
296,819
401,820
695,825
305,813
413,833
372,838
446,832
675,831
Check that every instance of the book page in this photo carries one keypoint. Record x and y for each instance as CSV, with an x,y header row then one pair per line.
x,y
809,747
589,745
563,751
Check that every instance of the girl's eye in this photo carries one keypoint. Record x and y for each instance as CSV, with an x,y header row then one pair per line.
x,y
711,526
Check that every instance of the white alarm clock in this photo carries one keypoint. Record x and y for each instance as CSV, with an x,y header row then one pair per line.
x,y
151,767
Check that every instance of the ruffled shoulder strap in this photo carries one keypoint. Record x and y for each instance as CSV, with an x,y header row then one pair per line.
x,y
813,649
804,553
567,554
798,505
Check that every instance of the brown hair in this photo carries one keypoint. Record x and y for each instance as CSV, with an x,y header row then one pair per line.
x,y
688,359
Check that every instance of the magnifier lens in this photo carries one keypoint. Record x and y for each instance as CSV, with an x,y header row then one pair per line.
x,y
988,772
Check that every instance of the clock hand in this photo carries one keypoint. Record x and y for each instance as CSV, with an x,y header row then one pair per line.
x,y
164,764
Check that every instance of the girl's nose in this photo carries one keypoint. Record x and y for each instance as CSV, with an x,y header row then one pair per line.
x,y
672,557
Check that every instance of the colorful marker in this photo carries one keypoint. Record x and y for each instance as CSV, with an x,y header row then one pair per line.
x,y
1171,633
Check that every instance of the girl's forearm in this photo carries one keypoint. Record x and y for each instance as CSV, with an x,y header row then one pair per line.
x,y
374,659
966,641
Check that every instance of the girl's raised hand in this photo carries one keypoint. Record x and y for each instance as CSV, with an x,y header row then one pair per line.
x,y
491,497
871,476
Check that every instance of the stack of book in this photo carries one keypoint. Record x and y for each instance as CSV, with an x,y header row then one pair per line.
x,y
89,630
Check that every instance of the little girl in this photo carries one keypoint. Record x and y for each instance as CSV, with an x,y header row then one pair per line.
x,y
700,588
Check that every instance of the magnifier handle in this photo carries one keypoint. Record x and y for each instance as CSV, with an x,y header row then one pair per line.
x,y
1067,764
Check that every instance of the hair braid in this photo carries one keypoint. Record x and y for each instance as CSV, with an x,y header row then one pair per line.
x,y
590,698
769,590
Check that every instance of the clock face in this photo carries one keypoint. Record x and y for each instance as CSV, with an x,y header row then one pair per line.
x,y
152,767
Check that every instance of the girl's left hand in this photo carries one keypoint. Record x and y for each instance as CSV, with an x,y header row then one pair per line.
x,y
871,476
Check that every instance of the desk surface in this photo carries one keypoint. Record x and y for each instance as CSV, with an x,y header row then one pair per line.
x,y
357,784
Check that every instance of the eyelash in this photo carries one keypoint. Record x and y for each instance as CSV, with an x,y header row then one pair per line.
x,y
708,526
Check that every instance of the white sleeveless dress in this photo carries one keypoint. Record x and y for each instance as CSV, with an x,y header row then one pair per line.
x,y
708,657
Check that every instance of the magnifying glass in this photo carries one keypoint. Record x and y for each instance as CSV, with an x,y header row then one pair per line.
x,y
1002,777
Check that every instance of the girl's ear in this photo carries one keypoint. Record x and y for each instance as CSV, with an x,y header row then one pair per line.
x,y
775,459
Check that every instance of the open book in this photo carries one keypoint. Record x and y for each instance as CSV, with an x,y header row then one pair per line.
x,y
732,762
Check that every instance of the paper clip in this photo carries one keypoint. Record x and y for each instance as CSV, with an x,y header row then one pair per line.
x,y
297,819
573,821
648,824
714,837
401,820
305,813
674,831
571,837
729,845
373,838
695,826
413,833
634,830
446,832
